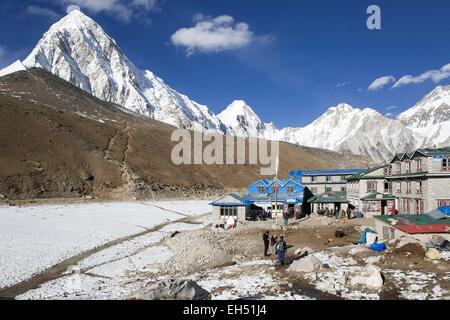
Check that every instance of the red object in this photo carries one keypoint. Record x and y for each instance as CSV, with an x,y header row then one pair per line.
x,y
428,228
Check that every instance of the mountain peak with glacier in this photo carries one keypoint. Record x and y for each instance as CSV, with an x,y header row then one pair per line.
x,y
241,120
78,50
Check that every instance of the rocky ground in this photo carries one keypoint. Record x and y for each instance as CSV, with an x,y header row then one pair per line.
x,y
230,264
184,258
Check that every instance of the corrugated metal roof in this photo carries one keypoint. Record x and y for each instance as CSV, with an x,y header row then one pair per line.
x,y
417,223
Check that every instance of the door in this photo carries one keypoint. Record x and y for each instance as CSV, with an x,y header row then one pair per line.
x,y
383,207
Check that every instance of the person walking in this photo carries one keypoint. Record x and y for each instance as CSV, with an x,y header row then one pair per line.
x,y
349,213
281,249
266,243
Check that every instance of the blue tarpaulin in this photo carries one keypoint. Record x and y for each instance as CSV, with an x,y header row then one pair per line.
x,y
445,210
378,246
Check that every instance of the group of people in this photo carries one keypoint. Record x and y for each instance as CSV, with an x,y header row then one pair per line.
x,y
277,246
337,213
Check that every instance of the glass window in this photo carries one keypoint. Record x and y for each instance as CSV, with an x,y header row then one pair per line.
x,y
261,189
446,164
386,186
419,165
419,187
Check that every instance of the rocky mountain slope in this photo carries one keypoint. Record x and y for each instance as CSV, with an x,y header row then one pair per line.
x,y
59,141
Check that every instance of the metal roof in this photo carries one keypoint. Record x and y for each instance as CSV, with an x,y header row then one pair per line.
x,y
330,197
239,201
331,172
417,223
377,196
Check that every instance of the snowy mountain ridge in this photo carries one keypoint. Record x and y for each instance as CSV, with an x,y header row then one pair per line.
x,y
78,50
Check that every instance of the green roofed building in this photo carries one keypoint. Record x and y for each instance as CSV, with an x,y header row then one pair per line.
x,y
420,180
370,192
331,200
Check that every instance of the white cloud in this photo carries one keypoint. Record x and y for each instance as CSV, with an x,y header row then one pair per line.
x,y
389,115
124,10
146,4
342,84
43,12
72,7
434,75
213,35
379,83
2,54
391,108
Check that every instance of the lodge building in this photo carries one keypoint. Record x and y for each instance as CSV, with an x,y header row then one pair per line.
x,y
411,183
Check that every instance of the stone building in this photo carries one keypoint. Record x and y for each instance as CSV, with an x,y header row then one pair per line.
x,y
420,180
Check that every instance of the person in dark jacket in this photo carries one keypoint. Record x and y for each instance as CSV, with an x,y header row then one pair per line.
x,y
266,243
281,249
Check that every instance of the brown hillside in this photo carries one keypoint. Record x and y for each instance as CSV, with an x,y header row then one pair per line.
x,y
58,141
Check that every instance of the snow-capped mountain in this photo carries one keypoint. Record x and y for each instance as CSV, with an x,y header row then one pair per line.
x,y
242,121
430,118
359,131
78,50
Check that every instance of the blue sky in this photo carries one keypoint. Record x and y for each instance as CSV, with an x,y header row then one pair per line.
x,y
290,60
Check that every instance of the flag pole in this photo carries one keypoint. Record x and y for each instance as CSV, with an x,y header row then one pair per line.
x,y
276,191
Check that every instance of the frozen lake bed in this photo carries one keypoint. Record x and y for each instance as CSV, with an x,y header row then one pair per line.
x,y
35,238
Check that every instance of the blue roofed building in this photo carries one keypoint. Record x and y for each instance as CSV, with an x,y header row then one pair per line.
x,y
274,197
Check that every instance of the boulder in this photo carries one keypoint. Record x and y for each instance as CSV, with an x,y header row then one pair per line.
x,y
335,262
303,251
308,264
374,259
372,278
375,279
176,290
433,254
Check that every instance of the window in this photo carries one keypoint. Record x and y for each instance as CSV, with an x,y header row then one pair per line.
x,y
419,206
387,186
443,202
399,187
419,165
228,211
408,187
371,186
386,170
260,189
398,168
343,189
419,187
446,164
313,179
408,166
406,206
327,189
388,233
328,178
290,189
